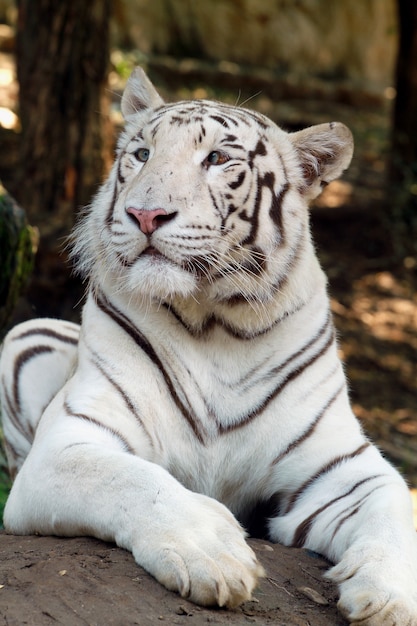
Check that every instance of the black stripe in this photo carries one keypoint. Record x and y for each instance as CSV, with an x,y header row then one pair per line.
x,y
325,469
256,117
306,434
47,332
124,322
291,261
179,120
215,205
254,218
234,114
109,216
254,264
13,455
206,326
238,182
217,111
323,330
291,376
227,115
302,531
155,129
275,210
231,141
95,422
213,320
260,150
358,505
23,359
279,282
14,416
97,361
220,120
120,176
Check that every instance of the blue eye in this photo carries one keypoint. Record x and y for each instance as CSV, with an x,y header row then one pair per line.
x,y
142,154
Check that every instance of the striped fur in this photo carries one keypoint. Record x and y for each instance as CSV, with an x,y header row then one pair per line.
x,y
204,385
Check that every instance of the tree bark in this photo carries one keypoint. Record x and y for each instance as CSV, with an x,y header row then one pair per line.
x,y
402,180
62,64
404,137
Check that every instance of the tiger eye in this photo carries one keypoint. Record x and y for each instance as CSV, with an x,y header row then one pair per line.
x,y
142,154
216,158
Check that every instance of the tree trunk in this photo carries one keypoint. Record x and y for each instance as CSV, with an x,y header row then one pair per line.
x,y
62,63
403,161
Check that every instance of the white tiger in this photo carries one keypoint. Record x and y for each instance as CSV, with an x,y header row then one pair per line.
x,y
204,386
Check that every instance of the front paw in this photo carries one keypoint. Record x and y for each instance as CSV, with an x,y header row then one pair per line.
x,y
203,556
376,590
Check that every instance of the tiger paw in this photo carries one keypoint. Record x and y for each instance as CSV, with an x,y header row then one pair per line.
x,y
203,556
367,607
378,591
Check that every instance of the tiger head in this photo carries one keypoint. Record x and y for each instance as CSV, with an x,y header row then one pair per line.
x,y
205,200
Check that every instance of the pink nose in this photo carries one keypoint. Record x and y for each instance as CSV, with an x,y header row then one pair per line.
x,y
149,221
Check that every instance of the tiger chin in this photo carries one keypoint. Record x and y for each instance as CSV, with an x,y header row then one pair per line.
x,y
204,380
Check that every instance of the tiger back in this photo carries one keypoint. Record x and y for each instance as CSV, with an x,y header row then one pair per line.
x,y
205,384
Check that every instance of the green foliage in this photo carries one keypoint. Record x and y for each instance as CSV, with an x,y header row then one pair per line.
x,y
16,255
5,482
124,62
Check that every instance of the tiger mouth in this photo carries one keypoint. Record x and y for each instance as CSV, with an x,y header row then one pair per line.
x,y
152,251
155,256
198,267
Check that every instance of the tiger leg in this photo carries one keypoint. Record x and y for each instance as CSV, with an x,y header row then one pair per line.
x,y
36,360
358,513
78,480
84,475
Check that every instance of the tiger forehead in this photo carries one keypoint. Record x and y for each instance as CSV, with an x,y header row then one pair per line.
x,y
191,112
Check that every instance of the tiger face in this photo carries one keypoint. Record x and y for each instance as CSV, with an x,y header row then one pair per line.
x,y
191,209
205,198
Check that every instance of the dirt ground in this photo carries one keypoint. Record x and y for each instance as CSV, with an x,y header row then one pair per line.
x,y
45,581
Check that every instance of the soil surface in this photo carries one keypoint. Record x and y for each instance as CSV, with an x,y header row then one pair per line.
x,y
83,581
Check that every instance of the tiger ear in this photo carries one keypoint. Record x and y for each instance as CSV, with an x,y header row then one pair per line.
x,y
324,152
139,94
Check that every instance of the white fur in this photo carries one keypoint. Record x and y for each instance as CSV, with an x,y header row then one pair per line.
x,y
141,441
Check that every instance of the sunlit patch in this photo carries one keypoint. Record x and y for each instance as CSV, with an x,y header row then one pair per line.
x,y
390,93
6,77
337,193
8,119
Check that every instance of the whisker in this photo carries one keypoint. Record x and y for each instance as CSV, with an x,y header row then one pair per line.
x,y
255,95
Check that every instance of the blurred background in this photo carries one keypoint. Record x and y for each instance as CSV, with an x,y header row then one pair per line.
x,y
63,66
